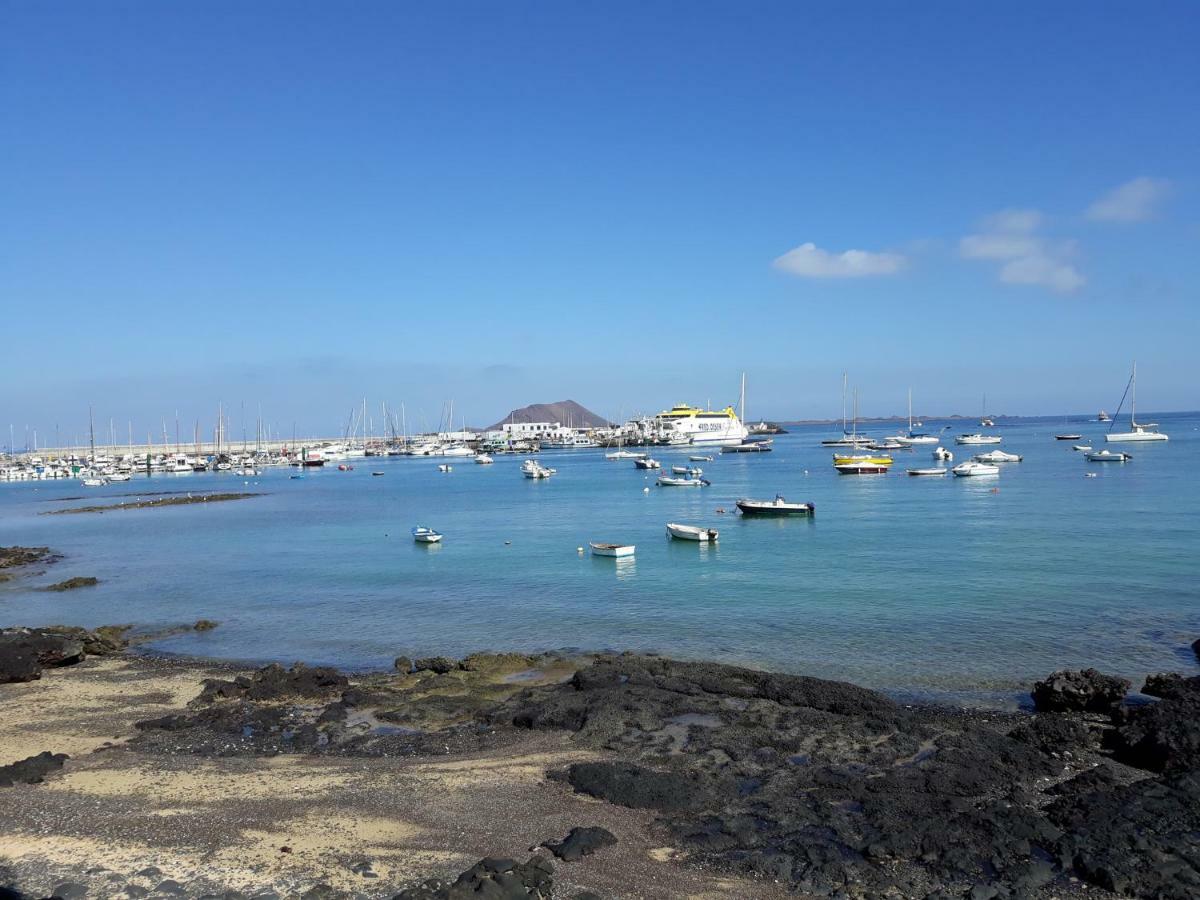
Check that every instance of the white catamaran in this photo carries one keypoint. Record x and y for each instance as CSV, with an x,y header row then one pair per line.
x,y
1138,431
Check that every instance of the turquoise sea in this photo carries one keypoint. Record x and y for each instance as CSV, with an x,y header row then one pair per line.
x,y
944,588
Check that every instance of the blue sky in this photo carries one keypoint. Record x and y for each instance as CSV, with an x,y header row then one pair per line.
x,y
301,204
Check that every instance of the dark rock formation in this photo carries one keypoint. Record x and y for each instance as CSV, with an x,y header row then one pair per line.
x,y
15,557
1162,736
1136,840
71,583
1053,733
491,878
639,788
103,641
205,625
1085,691
1196,648
18,663
48,647
274,682
581,842
439,665
403,665
32,770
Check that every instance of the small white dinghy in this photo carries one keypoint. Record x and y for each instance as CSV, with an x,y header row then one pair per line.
x,y
1108,456
700,459
968,469
931,472
423,535
997,456
1083,448
692,533
483,460
612,550
445,467
942,453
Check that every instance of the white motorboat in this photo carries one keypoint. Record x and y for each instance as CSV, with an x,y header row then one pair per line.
x,y
927,472
483,460
1082,448
1108,456
423,535
613,550
624,454
531,468
886,444
675,481
1138,431
998,456
700,459
942,453
118,476
777,507
680,470
461,450
94,482
692,533
445,467
968,469
647,463
977,438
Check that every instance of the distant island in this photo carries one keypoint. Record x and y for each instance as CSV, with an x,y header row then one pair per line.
x,y
565,412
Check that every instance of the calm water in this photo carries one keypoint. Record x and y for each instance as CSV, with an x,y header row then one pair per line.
x,y
937,586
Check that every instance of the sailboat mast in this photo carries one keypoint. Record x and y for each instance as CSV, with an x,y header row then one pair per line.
x,y
910,410
843,403
1133,397
742,401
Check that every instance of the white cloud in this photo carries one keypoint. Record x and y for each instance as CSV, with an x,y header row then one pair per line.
x,y
1010,236
1042,270
810,261
1133,201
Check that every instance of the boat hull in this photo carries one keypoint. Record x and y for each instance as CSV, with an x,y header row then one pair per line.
x,y
767,508
613,551
1122,437
692,533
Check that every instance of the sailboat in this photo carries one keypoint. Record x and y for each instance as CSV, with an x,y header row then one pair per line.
x,y
848,439
914,437
1147,431
860,463
985,421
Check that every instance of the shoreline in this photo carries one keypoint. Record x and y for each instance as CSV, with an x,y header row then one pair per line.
x,y
277,781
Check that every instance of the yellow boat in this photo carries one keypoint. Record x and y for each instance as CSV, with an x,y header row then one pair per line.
x,y
862,458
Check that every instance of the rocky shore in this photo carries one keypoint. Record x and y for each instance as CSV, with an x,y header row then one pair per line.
x,y
512,776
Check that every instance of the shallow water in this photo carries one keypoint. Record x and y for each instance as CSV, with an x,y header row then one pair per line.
x,y
932,586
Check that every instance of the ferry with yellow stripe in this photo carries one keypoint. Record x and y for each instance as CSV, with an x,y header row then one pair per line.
x,y
691,424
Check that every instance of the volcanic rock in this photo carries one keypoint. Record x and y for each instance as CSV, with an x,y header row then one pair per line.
x,y
32,770
581,842
1084,691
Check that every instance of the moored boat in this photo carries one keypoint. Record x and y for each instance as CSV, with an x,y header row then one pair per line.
x,y
423,535
777,507
997,456
700,459
675,481
1138,431
763,446
942,453
968,469
613,550
1108,456
483,459
977,438
938,470
647,463
862,467
692,533
1068,437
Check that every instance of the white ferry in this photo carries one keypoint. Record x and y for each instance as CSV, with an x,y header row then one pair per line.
x,y
703,426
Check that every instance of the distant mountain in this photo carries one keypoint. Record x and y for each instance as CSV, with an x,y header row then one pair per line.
x,y
568,412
